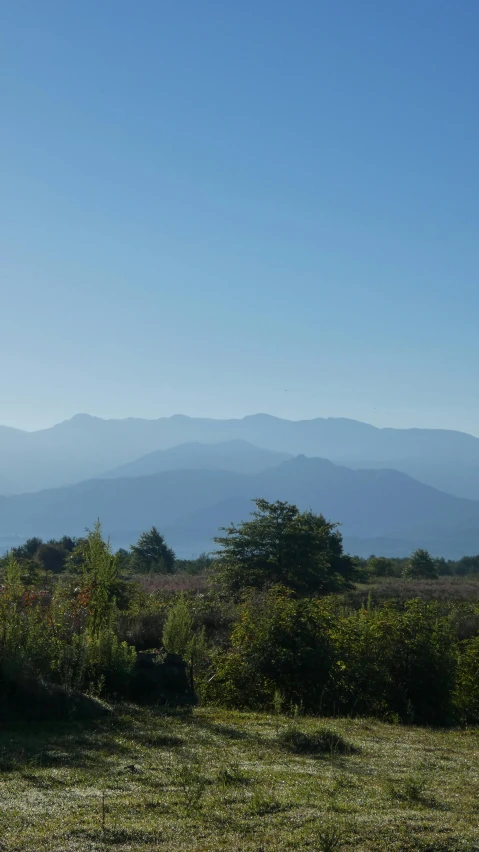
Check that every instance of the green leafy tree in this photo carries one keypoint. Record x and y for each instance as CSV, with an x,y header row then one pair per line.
x,y
283,546
421,564
151,554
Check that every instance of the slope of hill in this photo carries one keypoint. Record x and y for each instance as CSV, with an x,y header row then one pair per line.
x,y
236,456
87,446
190,505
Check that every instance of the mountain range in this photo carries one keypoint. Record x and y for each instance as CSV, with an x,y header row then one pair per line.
x,y
86,446
392,489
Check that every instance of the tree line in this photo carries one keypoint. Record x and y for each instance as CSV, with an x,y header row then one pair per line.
x,y
279,543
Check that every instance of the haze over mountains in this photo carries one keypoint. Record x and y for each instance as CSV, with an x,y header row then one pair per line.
x,y
236,456
190,505
88,446
188,476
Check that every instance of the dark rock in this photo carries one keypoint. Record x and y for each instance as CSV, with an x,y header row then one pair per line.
x,y
161,679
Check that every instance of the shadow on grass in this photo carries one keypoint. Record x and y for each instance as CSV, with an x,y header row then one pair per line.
x,y
158,740
226,731
79,745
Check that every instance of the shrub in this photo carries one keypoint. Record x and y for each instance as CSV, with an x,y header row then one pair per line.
x,y
108,663
467,682
320,742
178,629
421,564
280,643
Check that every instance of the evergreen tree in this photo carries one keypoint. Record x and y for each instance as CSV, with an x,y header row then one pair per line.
x,y
151,554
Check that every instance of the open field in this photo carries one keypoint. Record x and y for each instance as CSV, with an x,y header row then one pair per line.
x,y
445,589
210,779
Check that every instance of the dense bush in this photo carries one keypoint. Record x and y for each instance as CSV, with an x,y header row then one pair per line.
x,y
280,642
389,662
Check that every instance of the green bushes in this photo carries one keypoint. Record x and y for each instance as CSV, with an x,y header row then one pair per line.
x,y
467,682
412,661
35,644
395,662
280,642
108,663
403,662
67,639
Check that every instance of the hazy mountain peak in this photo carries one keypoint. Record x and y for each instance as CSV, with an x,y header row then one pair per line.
x,y
82,418
235,455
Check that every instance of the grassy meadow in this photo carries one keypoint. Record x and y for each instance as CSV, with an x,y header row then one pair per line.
x,y
207,779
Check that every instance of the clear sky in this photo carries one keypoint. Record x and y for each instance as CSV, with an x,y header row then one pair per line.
x,y
218,208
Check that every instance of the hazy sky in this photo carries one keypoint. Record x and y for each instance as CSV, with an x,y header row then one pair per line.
x,y
218,208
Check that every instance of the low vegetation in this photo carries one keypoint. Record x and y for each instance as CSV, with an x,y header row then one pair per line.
x,y
336,695
211,779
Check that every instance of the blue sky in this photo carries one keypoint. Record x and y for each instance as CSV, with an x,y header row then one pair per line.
x,y
218,208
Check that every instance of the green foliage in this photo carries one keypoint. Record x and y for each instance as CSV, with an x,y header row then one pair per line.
x,y
203,563
181,637
108,663
466,565
411,789
330,838
467,682
281,545
421,564
267,646
12,575
28,550
124,560
52,557
178,629
396,662
151,554
380,566
384,662
280,643
101,578
320,742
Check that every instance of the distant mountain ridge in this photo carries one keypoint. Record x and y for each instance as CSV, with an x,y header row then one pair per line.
x,y
190,505
86,446
236,456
